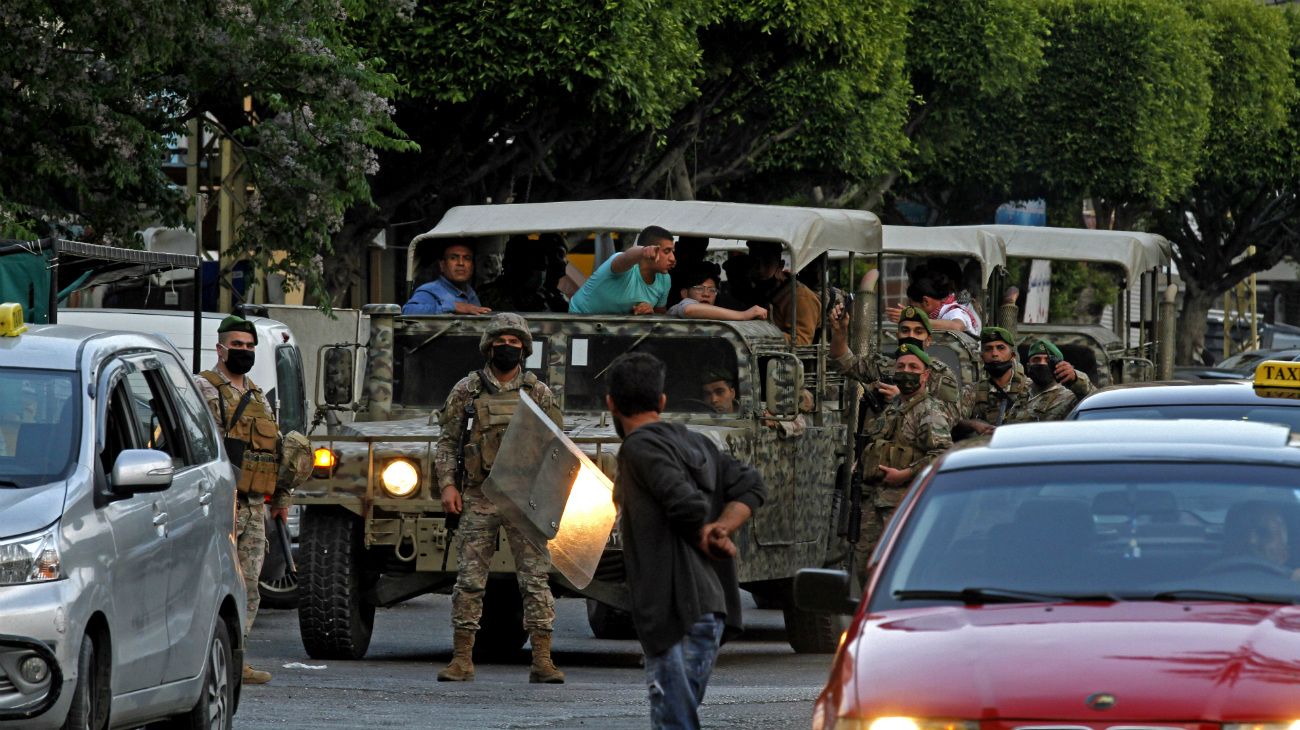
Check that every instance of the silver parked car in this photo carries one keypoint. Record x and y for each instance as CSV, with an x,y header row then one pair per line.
x,y
121,601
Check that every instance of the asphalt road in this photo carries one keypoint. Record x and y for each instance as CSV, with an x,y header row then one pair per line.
x,y
758,682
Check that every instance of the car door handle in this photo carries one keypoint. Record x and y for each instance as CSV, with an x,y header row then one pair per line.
x,y
160,518
205,498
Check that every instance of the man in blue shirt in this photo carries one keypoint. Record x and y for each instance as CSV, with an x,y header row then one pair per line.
x,y
451,292
633,282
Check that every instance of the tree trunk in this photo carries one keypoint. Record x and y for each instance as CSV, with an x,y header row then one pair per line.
x,y
1191,328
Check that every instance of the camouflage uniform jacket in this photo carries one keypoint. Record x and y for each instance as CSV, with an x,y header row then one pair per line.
x,y
282,497
452,416
908,435
942,384
1053,403
982,401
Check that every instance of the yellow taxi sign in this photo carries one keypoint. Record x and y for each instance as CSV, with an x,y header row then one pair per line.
x,y
11,320
1277,374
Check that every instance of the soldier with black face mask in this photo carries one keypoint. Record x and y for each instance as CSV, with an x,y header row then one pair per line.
x,y
253,444
474,420
1049,398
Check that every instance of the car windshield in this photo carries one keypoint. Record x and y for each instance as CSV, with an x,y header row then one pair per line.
x,y
39,433
1287,415
1048,532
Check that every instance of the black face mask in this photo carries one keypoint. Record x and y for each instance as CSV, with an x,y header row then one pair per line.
x,y
911,341
506,358
998,369
239,361
1042,374
908,383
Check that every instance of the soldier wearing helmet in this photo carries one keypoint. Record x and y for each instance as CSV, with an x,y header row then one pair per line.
x,y
477,412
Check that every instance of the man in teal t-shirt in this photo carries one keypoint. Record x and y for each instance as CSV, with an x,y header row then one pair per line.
x,y
633,282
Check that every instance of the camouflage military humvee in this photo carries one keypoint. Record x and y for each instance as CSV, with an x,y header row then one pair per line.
x,y
367,543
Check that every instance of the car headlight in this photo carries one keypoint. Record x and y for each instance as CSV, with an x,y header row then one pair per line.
x,y
31,558
400,478
1293,725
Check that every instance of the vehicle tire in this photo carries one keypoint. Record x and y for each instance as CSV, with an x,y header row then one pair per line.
x,y
814,632
334,619
501,628
215,709
277,585
89,709
607,622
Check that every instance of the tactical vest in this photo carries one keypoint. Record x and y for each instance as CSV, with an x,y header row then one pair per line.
x,y
488,413
251,436
885,448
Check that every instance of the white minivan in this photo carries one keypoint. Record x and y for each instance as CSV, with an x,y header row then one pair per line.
x,y
277,367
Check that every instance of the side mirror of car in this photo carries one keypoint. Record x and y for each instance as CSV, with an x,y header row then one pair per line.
x,y
782,386
824,590
336,385
141,470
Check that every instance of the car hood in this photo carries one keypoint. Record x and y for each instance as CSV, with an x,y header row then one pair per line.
x,y
28,509
1161,661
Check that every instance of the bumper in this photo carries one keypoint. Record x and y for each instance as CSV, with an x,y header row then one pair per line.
x,y
37,624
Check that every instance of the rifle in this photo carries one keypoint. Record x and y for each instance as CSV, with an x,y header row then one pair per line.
x,y
856,485
289,567
452,522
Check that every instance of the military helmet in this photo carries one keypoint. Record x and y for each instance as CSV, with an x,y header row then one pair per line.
x,y
506,323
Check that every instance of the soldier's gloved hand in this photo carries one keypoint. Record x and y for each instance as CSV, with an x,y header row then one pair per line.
x,y
1065,373
451,502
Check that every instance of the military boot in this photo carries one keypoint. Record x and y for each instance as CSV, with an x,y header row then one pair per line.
x,y
255,676
543,669
461,668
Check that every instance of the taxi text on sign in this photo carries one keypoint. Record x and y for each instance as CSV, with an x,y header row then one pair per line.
x,y
1277,374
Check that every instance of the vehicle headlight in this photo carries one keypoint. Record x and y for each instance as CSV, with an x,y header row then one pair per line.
x,y
1293,725
400,478
31,558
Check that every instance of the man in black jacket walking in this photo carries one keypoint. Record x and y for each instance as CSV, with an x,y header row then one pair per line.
x,y
680,502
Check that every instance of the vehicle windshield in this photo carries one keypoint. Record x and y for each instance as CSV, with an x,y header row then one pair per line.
x,y
427,366
1047,532
1287,415
702,371
39,426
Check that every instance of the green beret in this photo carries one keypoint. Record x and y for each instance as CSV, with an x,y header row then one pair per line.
x,y
1043,347
236,323
916,352
915,314
993,334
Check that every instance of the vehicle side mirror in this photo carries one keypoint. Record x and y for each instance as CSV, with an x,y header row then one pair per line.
x,y
141,470
336,385
783,385
823,590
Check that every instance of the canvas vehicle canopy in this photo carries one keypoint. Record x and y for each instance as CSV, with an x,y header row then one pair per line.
x,y
1137,253
974,242
807,232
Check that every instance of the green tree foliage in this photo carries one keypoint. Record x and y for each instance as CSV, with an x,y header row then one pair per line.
x,y
1245,192
571,99
92,95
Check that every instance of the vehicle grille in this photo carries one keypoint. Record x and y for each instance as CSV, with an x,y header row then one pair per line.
x,y
6,687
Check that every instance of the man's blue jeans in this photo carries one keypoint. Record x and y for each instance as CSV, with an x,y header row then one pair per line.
x,y
678,677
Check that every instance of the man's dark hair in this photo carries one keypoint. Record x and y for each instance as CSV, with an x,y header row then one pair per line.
x,y
926,286
652,235
636,382
699,272
764,252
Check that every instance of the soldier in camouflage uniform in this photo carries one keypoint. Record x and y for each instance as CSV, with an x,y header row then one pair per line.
x,y
1049,400
1003,394
253,443
913,329
477,412
912,431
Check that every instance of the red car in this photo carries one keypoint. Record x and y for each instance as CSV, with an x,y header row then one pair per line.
x,y
1109,574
